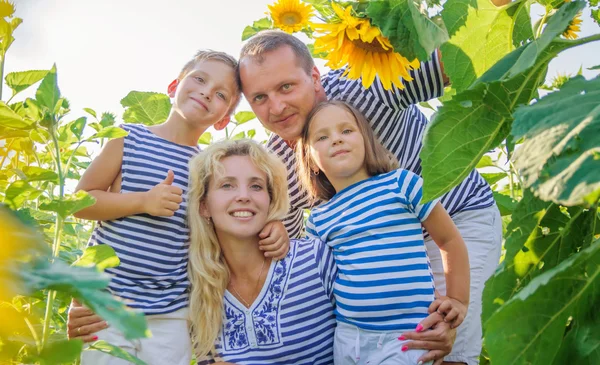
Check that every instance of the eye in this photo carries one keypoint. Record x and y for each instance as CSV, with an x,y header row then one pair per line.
x,y
259,98
200,79
286,87
221,95
226,185
322,138
346,131
256,187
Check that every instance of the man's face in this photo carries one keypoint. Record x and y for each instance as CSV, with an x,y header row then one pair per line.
x,y
279,91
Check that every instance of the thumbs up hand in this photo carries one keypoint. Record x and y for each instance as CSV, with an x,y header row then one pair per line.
x,y
163,200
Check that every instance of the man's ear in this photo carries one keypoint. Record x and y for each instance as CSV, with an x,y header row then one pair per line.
x,y
172,88
220,125
316,78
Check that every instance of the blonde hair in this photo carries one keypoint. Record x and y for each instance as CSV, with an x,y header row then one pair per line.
x,y
207,270
378,160
228,60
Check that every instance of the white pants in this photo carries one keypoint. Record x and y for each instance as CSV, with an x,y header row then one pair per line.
x,y
170,342
481,230
355,346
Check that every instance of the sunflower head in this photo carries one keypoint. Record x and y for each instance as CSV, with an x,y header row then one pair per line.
x,y
573,28
7,9
290,15
356,43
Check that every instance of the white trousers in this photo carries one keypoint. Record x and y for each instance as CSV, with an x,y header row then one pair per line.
x,y
481,230
170,342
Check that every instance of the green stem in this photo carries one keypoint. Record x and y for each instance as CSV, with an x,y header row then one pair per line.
x,y
538,33
7,151
57,231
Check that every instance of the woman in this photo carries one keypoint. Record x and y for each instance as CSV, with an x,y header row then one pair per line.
x,y
245,309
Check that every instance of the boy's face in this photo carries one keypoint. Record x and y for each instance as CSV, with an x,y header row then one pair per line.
x,y
205,94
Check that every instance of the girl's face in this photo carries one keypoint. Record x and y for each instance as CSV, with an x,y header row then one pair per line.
x,y
337,147
237,201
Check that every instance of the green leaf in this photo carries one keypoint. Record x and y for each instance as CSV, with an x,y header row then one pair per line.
x,y
251,133
35,173
480,36
411,32
597,67
243,117
263,23
239,136
505,204
77,127
91,112
99,256
477,120
146,107
8,118
560,157
494,177
580,345
109,132
70,204
115,351
555,27
107,119
19,81
542,310
48,94
60,352
20,191
248,32
205,138
595,13
485,161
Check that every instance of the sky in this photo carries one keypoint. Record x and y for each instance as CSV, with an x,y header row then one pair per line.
x,y
104,49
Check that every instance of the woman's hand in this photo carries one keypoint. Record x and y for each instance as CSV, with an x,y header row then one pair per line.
x,y
431,334
82,323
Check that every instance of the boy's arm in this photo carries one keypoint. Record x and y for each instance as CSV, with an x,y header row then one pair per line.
x,y
104,171
274,240
442,230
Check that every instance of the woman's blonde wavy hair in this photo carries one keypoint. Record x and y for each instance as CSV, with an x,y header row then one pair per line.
x,y
208,273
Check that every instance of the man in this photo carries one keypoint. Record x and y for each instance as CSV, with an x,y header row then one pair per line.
x,y
282,84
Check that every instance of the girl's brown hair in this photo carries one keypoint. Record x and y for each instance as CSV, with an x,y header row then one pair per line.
x,y
378,160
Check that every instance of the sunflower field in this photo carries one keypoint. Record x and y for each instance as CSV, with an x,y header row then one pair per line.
x,y
537,143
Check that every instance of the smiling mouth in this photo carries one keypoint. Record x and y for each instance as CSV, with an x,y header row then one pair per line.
x,y
284,119
201,103
341,152
242,214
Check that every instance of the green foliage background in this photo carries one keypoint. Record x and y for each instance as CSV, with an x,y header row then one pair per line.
x,y
538,306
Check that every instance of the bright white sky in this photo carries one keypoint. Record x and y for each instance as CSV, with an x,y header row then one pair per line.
x,y
104,49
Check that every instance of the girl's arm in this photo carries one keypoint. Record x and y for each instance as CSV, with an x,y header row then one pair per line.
x,y
274,240
455,258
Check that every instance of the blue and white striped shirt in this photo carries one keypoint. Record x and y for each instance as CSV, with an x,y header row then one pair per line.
x,y
291,321
399,125
384,280
152,276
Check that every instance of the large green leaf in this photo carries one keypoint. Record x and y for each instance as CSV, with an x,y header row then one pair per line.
x,y
77,126
480,36
115,351
243,117
109,132
580,345
35,173
48,94
60,352
146,107
8,118
20,191
539,237
555,27
542,310
99,256
411,32
19,81
560,157
476,120
70,204
505,204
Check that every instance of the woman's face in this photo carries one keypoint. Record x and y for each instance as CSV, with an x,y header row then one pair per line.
x,y
237,201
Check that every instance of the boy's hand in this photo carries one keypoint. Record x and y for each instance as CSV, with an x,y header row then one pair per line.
x,y
163,200
454,311
274,240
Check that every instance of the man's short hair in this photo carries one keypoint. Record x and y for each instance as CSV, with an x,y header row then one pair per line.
x,y
269,40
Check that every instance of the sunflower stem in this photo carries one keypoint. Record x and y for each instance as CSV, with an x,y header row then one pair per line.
x,y
538,33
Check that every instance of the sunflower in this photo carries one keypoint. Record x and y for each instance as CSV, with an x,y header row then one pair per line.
x,y
7,9
573,28
355,42
290,15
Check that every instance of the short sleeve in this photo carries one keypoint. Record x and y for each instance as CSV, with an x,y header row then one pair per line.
x,y
311,230
411,186
326,265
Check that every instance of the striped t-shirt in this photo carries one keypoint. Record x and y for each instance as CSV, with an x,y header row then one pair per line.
x,y
384,280
399,125
152,276
291,322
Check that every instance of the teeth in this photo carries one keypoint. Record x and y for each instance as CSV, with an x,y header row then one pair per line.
x,y
242,214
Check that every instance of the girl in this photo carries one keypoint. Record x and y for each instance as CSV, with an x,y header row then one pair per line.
x,y
373,221
246,309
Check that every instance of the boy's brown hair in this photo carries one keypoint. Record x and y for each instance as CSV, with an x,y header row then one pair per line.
x,y
378,160
206,55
